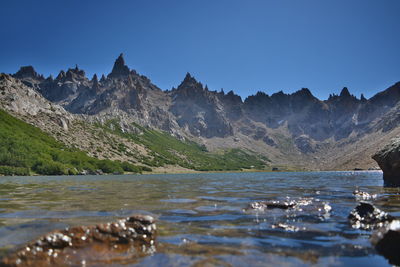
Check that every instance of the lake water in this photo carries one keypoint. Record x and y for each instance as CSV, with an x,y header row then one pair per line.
x,y
202,218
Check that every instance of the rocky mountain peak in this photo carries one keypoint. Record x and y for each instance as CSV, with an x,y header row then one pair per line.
x,y
61,75
363,99
304,92
119,69
231,96
26,72
190,86
95,82
95,79
345,92
304,95
75,74
189,80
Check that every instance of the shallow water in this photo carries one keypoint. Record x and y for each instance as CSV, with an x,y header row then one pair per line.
x,y
202,218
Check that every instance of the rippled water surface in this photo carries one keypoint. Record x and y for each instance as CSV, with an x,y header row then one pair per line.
x,y
202,218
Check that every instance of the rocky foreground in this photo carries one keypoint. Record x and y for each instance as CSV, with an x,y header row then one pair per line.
x,y
386,238
116,242
365,216
127,240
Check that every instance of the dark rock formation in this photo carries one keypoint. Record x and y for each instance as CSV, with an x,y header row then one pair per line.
x,y
119,69
117,242
366,216
387,241
273,204
388,160
67,85
29,76
27,72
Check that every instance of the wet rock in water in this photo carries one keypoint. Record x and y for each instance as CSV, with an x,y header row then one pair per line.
x,y
366,216
119,242
387,241
388,160
286,227
273,204
363,195
308,206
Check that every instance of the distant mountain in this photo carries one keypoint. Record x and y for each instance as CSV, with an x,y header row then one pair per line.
x,y
289,129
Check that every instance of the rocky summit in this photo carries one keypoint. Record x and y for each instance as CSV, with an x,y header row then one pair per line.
x,y
293,130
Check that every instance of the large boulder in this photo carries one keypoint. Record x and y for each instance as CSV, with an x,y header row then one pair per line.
x,y
389,160
387,241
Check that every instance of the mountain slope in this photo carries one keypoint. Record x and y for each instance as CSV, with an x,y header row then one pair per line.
x,y
112,145
25,149
289,129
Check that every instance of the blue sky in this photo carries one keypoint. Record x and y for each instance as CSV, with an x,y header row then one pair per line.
x,y
245,46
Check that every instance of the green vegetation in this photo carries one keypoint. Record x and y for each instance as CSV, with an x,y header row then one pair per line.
x,y
166,149
25,149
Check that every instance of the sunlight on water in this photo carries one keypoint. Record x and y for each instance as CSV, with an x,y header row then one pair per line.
x,y
203,218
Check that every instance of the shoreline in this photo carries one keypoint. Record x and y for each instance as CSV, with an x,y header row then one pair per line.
x,y
159,172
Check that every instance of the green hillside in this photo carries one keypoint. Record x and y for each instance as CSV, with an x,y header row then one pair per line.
x,y
25,150
166,149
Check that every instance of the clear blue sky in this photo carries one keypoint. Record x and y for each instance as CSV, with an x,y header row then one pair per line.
x,y
244,46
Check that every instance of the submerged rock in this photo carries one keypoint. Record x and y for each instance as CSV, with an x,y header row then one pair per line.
x,y
302,205
117,242
361,195
387,241
366,216
388,160
273,204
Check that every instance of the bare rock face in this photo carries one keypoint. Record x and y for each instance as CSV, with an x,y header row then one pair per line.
x,y
119,242
18,98
387,241
200,110
389,160
304,144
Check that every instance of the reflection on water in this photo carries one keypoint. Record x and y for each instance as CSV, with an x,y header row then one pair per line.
x,y
202,218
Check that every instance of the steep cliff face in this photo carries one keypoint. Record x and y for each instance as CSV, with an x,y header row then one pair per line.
x,y
296,126
199,110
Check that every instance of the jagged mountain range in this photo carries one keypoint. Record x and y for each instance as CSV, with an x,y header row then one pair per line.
x,y
290,129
